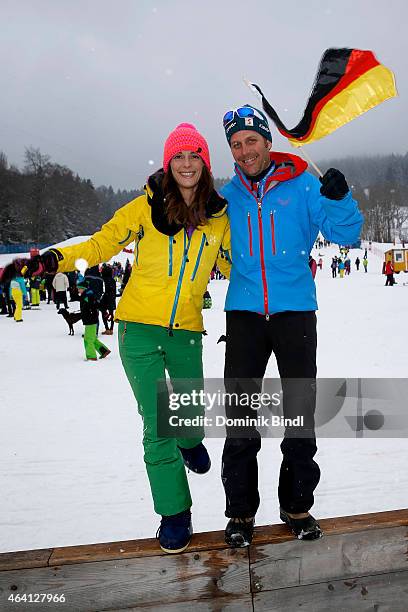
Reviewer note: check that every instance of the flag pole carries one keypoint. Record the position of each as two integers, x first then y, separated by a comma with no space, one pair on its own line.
302,151
310,161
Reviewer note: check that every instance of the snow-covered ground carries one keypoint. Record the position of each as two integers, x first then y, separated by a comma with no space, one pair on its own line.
72,468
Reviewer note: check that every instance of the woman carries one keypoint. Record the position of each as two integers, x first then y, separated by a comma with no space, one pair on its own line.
180,229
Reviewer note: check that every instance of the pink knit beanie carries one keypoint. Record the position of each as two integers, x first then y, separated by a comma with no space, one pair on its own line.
185,138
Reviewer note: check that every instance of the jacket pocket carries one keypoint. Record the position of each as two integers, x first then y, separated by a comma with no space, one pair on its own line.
273,233
250,235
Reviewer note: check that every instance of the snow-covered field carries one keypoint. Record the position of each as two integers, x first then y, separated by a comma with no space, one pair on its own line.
72,469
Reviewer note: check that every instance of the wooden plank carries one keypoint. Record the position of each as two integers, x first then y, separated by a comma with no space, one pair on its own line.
132,549
213,540
381,593
276,566
221,604
25,559
111,585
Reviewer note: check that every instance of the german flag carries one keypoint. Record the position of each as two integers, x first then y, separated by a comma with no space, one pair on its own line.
348,83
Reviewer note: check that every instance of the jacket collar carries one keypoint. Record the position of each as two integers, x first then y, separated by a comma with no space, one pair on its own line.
287,166
155,198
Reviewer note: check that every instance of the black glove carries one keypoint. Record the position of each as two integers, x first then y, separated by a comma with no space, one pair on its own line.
334,185
48,262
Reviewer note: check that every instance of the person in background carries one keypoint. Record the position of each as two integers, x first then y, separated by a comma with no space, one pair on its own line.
18,292
43,290
357,262
108,301
333,267
72,289
365,263
89,312
207,301
389,271
50,289
60,285
3,301
35,291
341,267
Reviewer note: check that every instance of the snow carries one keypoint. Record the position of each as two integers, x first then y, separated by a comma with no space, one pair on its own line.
71,452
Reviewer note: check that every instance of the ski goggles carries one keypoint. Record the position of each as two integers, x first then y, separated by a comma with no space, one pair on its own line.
243,112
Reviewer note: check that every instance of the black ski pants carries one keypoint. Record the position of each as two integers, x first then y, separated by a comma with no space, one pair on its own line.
250,341
61,298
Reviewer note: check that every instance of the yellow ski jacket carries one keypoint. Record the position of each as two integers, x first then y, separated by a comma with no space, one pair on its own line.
170,271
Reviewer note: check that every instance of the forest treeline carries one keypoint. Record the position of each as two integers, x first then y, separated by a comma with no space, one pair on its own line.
45,202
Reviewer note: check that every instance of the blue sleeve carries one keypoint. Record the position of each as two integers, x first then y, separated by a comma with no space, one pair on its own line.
339,221
22,285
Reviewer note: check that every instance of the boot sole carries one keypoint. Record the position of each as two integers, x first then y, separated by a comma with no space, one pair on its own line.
174,551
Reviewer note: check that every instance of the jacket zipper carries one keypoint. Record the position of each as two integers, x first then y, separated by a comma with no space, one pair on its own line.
203,241
273,233
250,234
261,247
179,282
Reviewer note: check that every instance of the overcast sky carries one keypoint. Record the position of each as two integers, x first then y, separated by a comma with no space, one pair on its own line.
98,85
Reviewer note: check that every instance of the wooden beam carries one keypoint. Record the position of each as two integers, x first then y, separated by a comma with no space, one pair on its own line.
25,559
295,563
213,540
112,585
388,592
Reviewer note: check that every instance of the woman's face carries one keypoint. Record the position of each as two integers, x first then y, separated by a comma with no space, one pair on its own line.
187,167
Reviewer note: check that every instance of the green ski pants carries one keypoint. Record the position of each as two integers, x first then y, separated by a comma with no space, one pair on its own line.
91,342
147,351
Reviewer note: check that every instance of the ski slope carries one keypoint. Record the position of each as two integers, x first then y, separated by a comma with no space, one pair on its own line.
71,452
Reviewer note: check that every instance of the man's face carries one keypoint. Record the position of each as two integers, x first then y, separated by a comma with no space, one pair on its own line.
251,151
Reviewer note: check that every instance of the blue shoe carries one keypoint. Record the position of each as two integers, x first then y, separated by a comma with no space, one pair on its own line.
174,533
196,459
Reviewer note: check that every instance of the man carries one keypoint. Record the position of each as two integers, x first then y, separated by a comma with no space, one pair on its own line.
60,285
276,209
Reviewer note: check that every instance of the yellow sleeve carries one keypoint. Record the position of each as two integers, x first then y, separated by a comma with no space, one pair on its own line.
109,240
224,260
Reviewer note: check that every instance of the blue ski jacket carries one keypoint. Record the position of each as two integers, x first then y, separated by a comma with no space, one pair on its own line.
272,236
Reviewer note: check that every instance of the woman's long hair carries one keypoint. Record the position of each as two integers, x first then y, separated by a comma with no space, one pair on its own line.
177,210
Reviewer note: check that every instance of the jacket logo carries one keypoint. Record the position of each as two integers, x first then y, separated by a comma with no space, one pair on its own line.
283,202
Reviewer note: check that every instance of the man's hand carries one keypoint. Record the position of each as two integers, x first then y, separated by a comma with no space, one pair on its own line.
334,185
